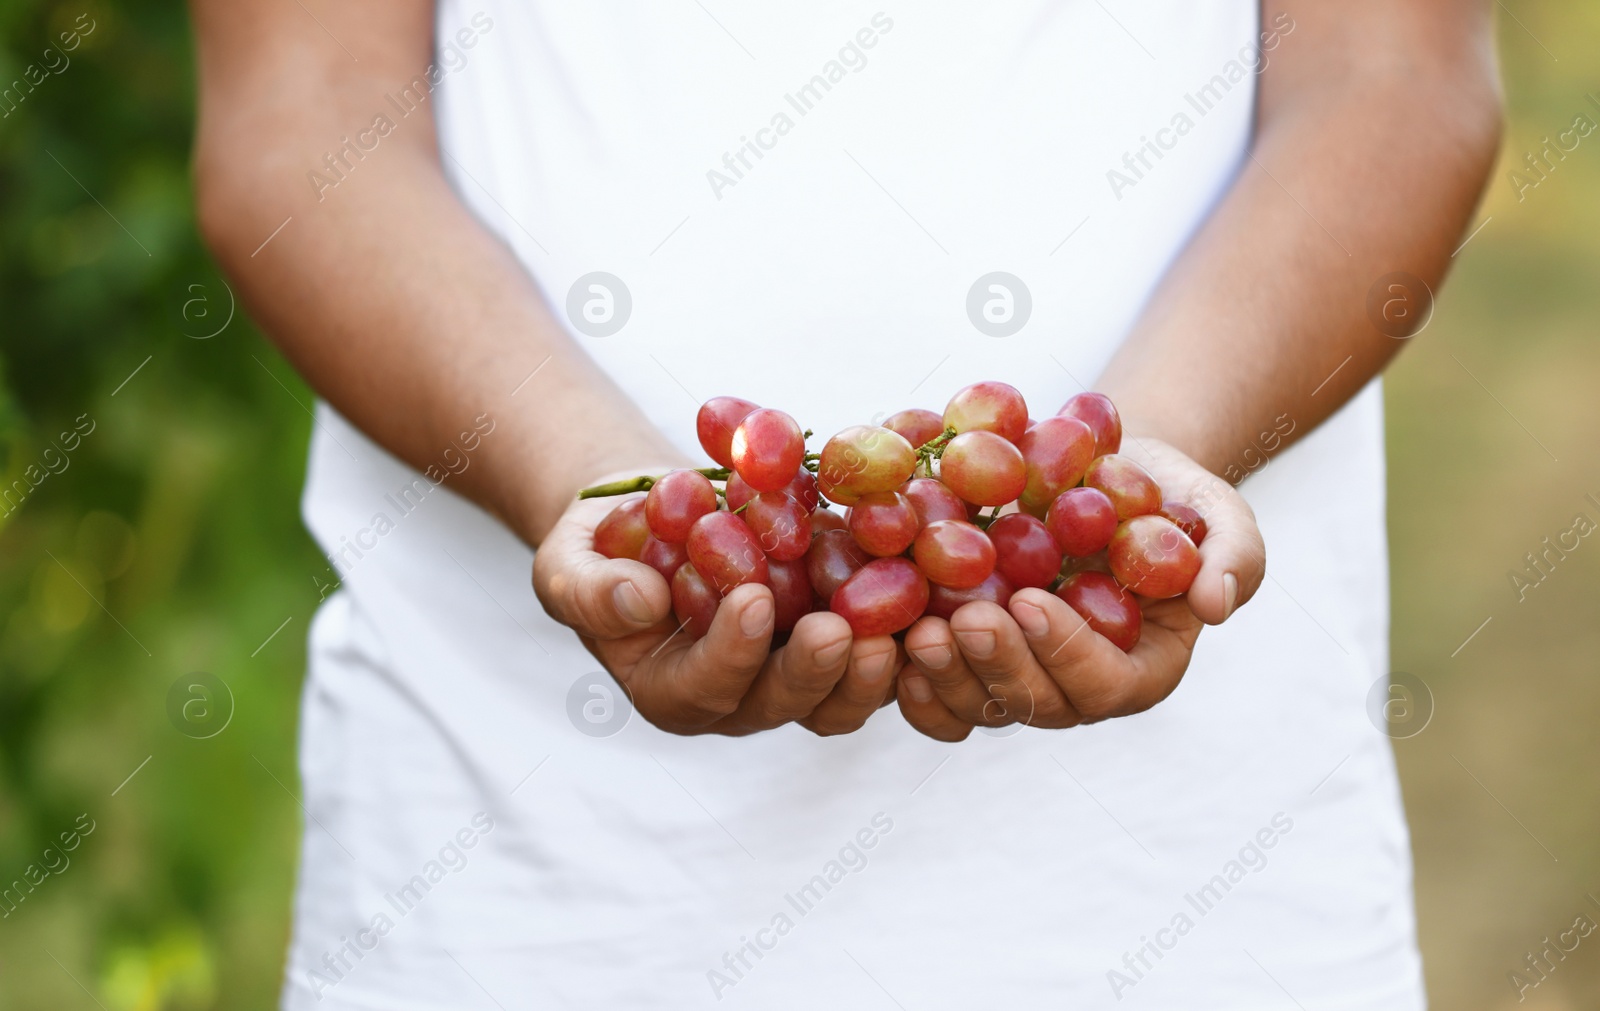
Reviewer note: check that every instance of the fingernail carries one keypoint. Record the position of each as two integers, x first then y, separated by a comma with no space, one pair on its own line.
977,644
1030,617
827,656
919,688
756,617
1230,593
933,657
878,668
630,602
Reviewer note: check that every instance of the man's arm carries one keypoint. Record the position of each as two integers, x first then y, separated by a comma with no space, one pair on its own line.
403,312
1378,124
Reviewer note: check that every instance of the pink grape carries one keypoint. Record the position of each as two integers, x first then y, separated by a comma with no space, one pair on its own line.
954,554
988,407
885,596
791,591
1057,451
725,552
803,489
676,501
665,558
1082,521
944,602
983,468
884,523
715,423
1188,519
694,600
1152,557
1096,411
834,557
781,525
768,447
736,493
919,427
1129,486
1025,553
623,531
826,519
1108,608
933,500
863,459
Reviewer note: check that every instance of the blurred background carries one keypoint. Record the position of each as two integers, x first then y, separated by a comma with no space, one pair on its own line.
160,540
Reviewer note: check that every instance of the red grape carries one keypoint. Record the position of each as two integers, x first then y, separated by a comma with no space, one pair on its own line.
768,447
1129,486
1025,553
725,552
887,595
919,427
943,601
1108,608
1188,519
665,558
781,525
791,591
1082,521
863,459
676,501
623,531
1152,557
803,489
989,407
694,600
933,500
954,554
1096,411
736,493
983,468
1057,451
715,422
884,523
826,519
834,557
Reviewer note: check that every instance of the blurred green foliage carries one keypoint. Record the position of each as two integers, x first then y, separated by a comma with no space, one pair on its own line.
169,542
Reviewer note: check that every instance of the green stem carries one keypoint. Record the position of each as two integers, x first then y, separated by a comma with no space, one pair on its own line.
644,482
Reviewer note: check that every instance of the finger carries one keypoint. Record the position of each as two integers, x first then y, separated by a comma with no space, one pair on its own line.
602,598
1099,680
860,692
934,653
690,688
1233,557
798,677
925,711
999,654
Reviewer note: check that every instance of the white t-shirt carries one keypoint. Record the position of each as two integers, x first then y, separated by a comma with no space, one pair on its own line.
794,205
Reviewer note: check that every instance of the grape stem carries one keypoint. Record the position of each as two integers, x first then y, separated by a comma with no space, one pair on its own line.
644,482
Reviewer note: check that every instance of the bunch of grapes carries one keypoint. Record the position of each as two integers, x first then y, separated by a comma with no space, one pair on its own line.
913,538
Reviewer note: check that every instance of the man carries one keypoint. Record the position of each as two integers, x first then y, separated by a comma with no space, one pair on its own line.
514,244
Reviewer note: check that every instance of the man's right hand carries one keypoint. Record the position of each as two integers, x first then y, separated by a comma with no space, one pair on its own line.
730,682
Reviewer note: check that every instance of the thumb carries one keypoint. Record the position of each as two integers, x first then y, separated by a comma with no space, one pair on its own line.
603,598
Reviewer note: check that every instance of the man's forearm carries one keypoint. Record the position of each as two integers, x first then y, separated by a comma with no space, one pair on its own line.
397,305
1264,316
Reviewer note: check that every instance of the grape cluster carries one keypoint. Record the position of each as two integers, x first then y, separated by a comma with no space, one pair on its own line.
913,538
